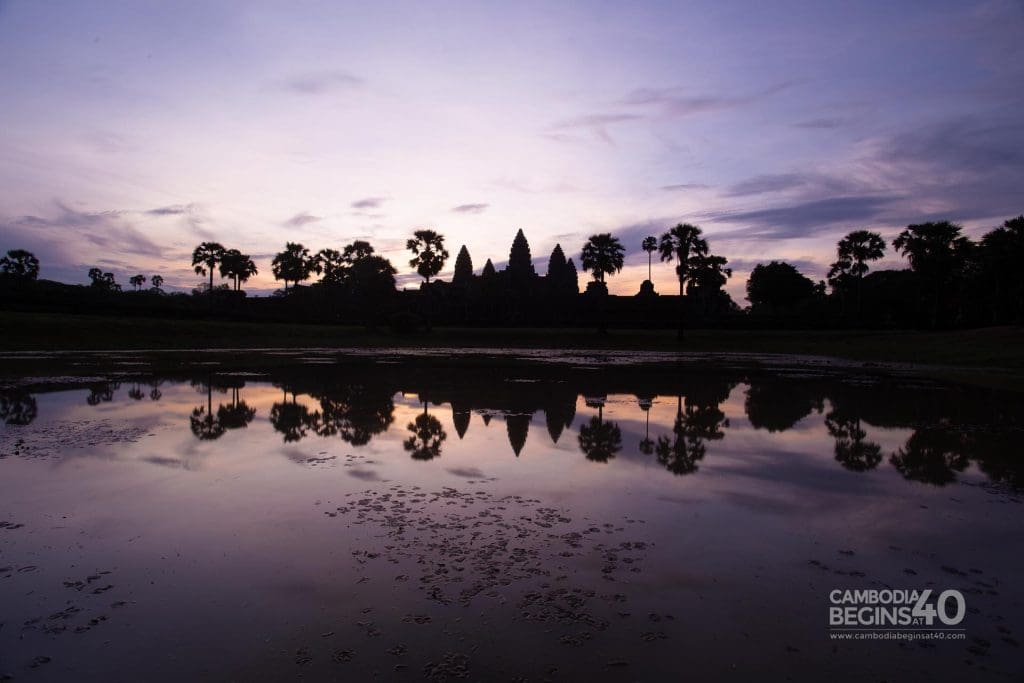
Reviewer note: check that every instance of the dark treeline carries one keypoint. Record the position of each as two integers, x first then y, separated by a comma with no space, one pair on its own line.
952,281
948,429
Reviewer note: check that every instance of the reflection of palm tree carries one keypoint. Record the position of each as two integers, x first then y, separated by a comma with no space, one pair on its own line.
692,427
600,441
205,425
18,408
291,419
778,406
102,393
645,402
136,393
852,451
238,414
933,455
356,412
427,436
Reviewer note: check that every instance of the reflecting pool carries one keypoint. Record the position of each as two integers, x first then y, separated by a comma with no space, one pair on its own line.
392,518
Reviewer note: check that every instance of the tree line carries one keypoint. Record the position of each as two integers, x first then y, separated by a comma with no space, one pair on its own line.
951,281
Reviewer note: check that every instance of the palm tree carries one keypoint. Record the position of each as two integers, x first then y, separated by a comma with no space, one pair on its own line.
937,253
602,255
294,264
204,258
237,266
331,264
853,253
157,281
428,252
682,243
137,281
650,245
356,251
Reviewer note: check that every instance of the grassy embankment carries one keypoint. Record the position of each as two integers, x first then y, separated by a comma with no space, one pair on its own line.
985,348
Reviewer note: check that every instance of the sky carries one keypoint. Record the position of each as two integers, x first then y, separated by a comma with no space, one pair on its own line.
130,131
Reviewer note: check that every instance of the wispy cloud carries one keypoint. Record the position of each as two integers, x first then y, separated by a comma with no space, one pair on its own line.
806,218
319,82
767,183
685,186
820,123
174,210
369,203
594,124
300,219
470,208
677,101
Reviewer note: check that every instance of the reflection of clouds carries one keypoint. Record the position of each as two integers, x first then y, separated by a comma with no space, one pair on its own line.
364,475
466,472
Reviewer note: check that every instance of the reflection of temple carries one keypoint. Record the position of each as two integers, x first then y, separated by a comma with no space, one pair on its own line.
948,429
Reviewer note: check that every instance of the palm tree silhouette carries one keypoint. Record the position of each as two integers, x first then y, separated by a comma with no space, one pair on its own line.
137,281
602,255
428,252
428,257
936,252
650,245
853,253
157,282
204,258
682,243
294,264
237,266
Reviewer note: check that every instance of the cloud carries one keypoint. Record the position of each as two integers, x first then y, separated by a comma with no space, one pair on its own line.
175,210
766,183
108,230
369,203
685,186
300,219
595,124
805,218
470,208
320,82
820,123
677,102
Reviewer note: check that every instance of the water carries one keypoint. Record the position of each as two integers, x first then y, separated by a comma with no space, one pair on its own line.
400,519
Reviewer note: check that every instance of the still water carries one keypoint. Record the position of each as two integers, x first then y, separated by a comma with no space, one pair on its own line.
403,520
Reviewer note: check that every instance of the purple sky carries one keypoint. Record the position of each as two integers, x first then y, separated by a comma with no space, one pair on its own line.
133,130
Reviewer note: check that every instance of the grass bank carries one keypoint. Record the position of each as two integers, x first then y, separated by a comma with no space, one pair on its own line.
1001,347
